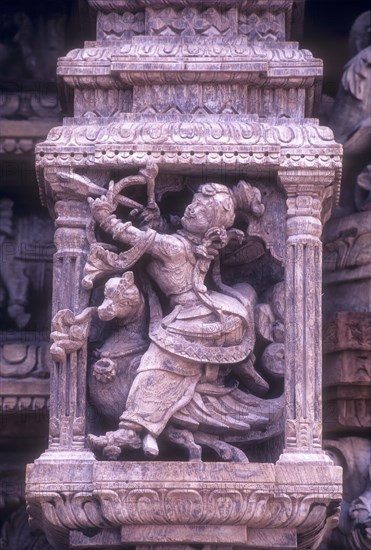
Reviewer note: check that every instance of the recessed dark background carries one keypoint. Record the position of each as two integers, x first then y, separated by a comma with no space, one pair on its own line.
327,24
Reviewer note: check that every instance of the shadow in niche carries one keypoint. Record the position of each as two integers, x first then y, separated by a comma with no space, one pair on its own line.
262,272
326,28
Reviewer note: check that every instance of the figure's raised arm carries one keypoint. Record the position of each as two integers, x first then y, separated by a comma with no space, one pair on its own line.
103,212
103,209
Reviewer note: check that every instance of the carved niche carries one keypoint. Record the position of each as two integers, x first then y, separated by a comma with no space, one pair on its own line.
30,44
185,347
26,247
189,194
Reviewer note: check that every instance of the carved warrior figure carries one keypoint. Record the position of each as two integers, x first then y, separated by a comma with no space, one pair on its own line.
178,386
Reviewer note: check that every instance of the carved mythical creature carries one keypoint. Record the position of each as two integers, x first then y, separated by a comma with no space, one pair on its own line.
111,375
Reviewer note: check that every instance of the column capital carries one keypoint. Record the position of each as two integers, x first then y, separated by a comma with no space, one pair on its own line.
304,206
306,181
71,213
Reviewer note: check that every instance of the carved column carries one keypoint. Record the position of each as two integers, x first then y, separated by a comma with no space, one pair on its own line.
200,99
68,378
303,315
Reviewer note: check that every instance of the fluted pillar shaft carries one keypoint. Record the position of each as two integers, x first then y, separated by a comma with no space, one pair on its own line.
303,319
68,378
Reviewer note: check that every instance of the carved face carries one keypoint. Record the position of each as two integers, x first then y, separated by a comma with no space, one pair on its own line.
197,218
119,302
212,207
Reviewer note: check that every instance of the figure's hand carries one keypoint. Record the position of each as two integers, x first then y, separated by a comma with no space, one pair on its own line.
150,171
217,237
235,235
147,217
101,208
104,206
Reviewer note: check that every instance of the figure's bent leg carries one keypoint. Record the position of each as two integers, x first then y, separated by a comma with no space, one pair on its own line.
164,384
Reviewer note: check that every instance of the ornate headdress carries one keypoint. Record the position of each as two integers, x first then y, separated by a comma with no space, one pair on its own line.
220,202
224,201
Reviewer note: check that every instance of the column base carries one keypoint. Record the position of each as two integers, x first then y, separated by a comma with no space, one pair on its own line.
320,457
109,504
58,454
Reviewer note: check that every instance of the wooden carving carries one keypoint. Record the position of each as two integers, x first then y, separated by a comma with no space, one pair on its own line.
180,346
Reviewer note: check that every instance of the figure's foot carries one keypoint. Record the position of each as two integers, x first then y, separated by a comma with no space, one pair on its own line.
125,438
112,443
150,446
97,442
